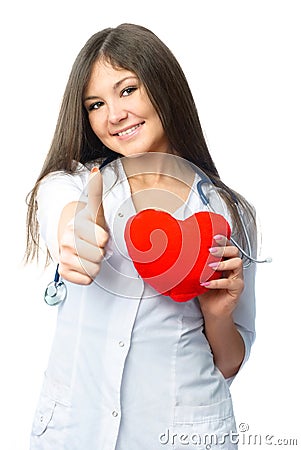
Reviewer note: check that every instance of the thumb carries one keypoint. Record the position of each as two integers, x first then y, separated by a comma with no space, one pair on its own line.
94,205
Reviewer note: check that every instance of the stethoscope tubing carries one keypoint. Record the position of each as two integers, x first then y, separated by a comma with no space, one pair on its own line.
246,254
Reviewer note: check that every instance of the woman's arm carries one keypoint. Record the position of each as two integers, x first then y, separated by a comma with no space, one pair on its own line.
218,305
226,344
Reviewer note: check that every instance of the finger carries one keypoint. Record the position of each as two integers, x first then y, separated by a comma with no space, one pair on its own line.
90,252
80,266
90,233
95,205
229,251
76,277
221,240
234,284
233,264
82,229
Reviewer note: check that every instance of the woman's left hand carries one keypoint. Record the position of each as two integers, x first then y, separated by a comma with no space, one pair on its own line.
223,294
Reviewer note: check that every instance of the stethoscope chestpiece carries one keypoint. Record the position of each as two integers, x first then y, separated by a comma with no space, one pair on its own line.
55,293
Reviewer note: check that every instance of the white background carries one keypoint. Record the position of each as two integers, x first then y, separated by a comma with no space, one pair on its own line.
242,60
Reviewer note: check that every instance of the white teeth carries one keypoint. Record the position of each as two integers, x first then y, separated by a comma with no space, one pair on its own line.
130,130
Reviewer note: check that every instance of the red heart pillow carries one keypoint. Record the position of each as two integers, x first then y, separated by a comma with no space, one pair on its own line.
173,255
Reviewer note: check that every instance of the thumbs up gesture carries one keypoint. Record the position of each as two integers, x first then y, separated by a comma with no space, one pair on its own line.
83,235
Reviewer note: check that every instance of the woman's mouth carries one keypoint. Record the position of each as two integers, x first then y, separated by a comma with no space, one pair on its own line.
128,131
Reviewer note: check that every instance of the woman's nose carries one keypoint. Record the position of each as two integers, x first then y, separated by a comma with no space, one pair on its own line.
116,113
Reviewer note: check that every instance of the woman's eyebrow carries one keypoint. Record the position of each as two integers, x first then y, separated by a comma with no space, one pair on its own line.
116,85
91,97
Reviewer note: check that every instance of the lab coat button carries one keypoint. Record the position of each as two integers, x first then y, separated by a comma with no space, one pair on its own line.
120,214
121,344
114,413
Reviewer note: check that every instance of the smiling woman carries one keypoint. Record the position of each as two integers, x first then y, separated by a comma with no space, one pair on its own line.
127,361
121,113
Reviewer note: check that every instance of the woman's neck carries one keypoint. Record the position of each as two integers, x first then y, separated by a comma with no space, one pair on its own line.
158,180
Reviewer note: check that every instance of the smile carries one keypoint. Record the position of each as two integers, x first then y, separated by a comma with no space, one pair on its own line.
129,130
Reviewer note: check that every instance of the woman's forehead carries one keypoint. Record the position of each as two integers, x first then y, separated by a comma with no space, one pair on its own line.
104,71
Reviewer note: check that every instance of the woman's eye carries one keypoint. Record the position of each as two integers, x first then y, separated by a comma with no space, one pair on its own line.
95,105
128,91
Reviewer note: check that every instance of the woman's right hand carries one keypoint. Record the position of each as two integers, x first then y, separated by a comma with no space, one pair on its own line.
82,238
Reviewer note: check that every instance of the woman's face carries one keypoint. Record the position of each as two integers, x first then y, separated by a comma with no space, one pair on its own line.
121,113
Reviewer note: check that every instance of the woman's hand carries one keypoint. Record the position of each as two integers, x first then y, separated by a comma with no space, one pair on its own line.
83,236
223,294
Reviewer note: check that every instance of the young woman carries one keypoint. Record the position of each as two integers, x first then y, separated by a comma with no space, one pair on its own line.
129,367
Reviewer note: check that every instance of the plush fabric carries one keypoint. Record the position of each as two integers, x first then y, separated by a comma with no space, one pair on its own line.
173,255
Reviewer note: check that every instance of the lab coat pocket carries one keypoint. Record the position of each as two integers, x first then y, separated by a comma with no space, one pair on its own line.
205,427
51,420
43,416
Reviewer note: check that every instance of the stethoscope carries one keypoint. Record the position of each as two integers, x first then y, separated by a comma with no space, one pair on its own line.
56,291
248,255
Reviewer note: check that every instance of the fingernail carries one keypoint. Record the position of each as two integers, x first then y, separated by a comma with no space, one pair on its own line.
205,284
213,265
213,249
218,237
94,169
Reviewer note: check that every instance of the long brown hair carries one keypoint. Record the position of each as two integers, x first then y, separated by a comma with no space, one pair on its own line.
139,50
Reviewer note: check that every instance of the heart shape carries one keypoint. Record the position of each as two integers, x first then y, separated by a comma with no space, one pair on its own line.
173,255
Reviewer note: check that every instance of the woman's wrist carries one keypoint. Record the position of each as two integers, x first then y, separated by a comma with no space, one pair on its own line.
220,313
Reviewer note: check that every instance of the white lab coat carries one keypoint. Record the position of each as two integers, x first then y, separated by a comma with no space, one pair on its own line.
129,369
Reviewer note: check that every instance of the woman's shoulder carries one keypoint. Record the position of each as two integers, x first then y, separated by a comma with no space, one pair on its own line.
77,176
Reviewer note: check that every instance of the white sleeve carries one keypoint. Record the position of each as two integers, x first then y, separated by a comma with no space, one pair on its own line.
55,191
245,312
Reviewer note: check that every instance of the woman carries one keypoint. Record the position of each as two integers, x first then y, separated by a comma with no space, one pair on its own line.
130,368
